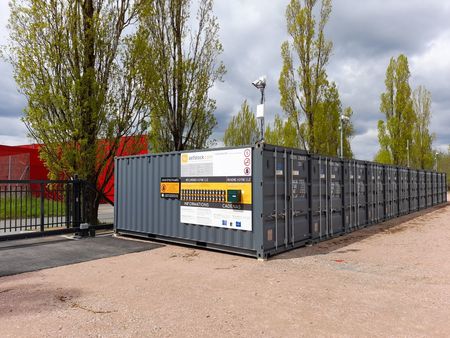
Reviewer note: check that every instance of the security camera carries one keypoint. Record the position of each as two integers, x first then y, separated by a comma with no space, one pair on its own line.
260,82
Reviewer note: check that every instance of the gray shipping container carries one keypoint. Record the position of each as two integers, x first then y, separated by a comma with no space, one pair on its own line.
296,198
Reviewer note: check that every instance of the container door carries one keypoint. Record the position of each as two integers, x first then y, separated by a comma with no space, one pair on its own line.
379,181
415,187
319,197
336,225
412,190
371,193
439,188
406,194
353,195
275,199
434,175
429,198
361,181
394,192
298,229
286,198
402,191
349,199
422,193
388,192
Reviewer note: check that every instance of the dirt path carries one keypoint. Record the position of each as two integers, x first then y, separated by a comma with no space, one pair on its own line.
382,281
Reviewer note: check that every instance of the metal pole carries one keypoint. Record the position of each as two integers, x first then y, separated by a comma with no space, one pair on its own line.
262,118
342,133
261,85
76,218
407,150
320,197
42,207
276,200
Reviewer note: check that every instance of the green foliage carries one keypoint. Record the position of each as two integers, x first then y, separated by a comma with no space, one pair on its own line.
405,131
72,63
283,133
242,129
302,88
422,154
311,103
178,67
383,156
327,133
443,164
396,131
348,132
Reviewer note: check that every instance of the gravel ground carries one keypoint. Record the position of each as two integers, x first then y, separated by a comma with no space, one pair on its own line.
387,280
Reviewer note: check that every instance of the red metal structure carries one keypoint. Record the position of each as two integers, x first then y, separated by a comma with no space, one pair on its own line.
23,162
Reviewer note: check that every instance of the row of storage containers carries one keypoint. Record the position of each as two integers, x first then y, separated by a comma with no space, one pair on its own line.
341,195
298,198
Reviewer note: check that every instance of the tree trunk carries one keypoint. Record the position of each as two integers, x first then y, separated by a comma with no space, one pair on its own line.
91,198
89,104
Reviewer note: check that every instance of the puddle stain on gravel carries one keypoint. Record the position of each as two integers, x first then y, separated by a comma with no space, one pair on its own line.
346,251
67,299
395,230
189,256
78,306
226,268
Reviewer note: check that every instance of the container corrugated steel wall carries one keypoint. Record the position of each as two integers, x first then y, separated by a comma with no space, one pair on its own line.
140,210
298,198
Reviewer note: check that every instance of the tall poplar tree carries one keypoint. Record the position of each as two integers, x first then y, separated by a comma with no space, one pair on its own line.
179,67
327,124
302,87
72,62
348,132
443,164
242,129
421,151
396,131
282,133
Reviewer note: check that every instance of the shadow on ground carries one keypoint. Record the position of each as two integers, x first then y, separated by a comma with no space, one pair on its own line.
31,255
20,299
339,243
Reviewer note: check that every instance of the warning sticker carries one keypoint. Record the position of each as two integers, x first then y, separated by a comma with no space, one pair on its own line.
169,187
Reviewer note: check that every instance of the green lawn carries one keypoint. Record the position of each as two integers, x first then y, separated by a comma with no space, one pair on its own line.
29,206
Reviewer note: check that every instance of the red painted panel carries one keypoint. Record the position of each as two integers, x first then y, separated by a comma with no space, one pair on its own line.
38,171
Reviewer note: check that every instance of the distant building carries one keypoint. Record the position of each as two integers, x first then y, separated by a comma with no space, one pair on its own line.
23,162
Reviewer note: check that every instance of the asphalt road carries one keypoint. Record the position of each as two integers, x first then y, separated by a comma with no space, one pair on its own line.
42,253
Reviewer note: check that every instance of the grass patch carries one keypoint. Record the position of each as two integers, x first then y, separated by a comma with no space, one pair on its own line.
28,207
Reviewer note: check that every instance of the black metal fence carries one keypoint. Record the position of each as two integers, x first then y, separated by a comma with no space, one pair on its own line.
30,208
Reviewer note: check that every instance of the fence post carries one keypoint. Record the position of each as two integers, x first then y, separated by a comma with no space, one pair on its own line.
42,206
67,204
76,202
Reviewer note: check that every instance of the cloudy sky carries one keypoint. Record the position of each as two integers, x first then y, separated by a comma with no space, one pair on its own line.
366,34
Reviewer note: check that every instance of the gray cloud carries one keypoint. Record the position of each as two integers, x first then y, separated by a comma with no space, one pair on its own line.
373,28
12,131
365,35
11,102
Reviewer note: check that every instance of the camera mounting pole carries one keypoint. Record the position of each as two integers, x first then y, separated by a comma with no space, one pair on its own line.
261,85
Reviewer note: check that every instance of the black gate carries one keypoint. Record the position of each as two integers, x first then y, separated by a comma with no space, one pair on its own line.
32,208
